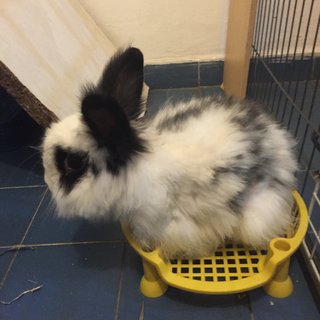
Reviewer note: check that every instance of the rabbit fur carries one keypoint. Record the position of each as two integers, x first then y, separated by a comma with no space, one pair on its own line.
198,174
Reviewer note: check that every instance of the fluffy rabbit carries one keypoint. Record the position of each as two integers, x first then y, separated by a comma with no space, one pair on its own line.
196,175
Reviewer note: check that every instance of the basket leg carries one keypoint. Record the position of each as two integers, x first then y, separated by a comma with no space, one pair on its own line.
280,286
151,284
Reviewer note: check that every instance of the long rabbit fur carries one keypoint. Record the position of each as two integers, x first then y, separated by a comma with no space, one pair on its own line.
199,173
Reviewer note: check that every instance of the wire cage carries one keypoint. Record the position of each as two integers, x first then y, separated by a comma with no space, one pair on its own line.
284,77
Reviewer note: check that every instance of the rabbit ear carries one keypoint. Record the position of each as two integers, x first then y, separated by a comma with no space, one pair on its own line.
123,80
111,129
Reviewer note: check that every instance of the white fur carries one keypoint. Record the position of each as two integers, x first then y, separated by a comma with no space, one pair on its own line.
166,195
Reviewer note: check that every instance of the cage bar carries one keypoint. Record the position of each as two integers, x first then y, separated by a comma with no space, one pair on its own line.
284,78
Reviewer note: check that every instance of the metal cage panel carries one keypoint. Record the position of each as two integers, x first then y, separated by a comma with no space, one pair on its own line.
284,77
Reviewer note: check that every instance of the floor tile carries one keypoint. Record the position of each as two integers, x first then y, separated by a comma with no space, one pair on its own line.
209,91
131,299
21,167
300,305
5,261
211,73
156,99
182,94
172,75
17,128
47,227
175,303
300,92
308,194
79,282
17,207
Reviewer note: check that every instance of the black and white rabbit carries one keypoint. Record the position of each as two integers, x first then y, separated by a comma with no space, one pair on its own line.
199,173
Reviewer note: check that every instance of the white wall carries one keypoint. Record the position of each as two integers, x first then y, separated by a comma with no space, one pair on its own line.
188,30
166,30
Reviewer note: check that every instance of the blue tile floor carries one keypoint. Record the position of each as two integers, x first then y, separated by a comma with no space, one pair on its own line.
88,271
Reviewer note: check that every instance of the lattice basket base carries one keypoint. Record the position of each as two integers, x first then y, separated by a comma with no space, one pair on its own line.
231,269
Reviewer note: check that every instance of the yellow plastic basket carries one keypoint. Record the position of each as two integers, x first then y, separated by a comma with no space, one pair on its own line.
231,269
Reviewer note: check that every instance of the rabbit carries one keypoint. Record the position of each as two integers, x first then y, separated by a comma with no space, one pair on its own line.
197,174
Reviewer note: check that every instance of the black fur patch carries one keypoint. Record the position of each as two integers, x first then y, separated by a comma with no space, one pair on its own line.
112,130
108,108
236,203
122,79
253,118
71,165
253,121
247,120
176,121
249,176
235,170
95,169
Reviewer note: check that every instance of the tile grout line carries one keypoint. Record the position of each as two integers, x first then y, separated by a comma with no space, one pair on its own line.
250,307
158,89
141,315
34,216
58,244
185,88
23,187
199,80
117,307
3,280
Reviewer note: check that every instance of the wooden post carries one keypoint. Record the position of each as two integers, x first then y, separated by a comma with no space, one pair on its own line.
238,48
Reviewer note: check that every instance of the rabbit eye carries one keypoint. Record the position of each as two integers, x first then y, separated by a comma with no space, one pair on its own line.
75,162
71,166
